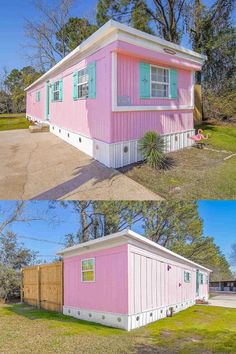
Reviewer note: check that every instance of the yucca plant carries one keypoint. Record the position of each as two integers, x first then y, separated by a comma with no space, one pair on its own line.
152,147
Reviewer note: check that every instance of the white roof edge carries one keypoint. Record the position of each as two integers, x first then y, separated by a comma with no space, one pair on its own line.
102,31
129,234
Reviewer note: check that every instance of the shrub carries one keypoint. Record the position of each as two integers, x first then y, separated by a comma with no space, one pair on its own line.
152,146
9,283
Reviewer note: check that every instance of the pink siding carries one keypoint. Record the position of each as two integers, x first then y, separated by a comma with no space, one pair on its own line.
109,292
128,83
152,285
133,125
89,117
94,118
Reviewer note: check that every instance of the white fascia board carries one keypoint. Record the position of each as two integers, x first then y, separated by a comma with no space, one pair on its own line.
105,30
156,39
125,236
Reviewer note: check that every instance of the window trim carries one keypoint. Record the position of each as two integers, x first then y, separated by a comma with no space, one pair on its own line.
58,100
201,275
82,271
158,82
190,276
80,84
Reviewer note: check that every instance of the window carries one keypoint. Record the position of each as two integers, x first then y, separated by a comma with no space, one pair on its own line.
37,96
55,91
207,279
88,270
83,83
187,277
201,278
160,80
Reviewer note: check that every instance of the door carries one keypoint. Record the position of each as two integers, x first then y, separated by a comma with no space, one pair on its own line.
197,282
47,100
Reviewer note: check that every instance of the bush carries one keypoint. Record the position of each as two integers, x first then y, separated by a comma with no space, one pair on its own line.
9,283
219,106
152,146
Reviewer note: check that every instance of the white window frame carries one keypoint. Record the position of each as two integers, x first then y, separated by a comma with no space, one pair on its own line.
201,278
159,82
82,83
54,91
190,276
83,271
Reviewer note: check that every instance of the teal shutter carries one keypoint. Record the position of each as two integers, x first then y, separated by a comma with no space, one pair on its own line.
51,92
144,80
60,90
173,83
75,86
92,80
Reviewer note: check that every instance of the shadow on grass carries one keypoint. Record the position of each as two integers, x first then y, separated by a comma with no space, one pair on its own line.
69,323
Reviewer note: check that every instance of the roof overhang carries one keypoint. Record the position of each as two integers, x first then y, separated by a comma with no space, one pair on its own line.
123,237
111,31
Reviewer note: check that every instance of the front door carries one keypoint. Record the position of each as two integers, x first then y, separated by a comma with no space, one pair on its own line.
47,100
197,282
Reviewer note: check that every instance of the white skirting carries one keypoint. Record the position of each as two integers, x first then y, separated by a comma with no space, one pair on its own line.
127,322
121,153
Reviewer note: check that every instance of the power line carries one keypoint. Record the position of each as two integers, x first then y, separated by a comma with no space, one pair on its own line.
40,240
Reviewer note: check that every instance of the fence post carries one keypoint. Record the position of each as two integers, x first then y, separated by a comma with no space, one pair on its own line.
38,287
21,286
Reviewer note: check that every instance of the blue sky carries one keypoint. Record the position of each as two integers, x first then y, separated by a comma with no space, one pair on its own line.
12,35
219,218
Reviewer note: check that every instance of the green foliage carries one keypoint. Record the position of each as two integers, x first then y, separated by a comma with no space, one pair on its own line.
73,33
219,105
175,225
14,84
9,283
152,147
13,254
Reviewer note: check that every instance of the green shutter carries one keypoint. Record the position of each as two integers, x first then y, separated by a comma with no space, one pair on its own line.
92,80
60,90
51,92
75,86
144,80
173,83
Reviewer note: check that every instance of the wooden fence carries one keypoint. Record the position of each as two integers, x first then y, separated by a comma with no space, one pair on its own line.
197,113
42,286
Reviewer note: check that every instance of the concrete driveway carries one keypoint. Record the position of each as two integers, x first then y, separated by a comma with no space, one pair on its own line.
42,166
223,300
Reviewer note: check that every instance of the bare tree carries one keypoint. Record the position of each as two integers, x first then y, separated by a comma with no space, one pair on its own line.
43,34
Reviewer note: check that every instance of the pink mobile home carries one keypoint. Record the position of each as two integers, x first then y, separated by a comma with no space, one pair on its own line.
114,87
125,280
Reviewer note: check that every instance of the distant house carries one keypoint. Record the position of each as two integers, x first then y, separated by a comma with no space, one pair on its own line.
114,87
125,280
223,285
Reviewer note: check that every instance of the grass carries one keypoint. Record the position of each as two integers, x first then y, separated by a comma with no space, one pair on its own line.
200,329
13,121
221,137
198,173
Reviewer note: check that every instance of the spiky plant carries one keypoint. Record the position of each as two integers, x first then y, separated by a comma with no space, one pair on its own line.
152,147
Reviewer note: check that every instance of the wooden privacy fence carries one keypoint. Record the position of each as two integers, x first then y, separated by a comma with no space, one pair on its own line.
197,113
42,286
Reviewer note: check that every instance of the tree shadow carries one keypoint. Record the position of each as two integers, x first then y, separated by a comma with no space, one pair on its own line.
32,313
92,171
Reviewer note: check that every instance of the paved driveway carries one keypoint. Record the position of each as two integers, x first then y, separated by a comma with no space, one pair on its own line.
42,166
224,300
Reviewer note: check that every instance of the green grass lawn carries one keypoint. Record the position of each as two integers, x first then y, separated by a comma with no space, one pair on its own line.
221,137
199,329
198,173
13,121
